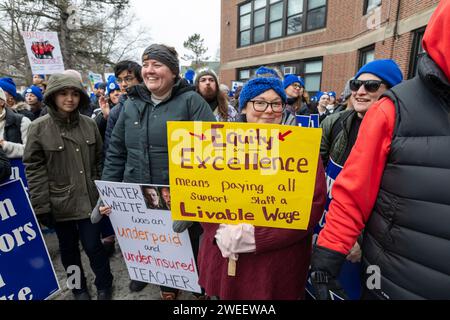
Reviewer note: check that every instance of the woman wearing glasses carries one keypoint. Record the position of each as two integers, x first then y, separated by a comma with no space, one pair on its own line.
273,263
340,130
297,97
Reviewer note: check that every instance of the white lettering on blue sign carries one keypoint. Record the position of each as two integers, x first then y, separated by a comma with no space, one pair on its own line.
15,173
7,210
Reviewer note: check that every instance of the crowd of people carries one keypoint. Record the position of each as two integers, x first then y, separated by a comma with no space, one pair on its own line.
390,207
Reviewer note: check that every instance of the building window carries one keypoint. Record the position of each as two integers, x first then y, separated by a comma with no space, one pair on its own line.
416,52
369,5
244,74
366,55
245,23
313,75
263,20
315,17
310,70
276,19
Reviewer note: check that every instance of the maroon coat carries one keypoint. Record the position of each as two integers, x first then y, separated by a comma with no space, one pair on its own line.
276,271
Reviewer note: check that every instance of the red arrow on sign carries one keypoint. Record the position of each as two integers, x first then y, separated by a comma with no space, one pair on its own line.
281,136
201,137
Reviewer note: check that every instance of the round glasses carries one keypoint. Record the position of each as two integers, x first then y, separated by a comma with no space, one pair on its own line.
261,106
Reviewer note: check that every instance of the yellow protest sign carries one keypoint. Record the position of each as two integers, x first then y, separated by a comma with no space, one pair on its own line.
243,173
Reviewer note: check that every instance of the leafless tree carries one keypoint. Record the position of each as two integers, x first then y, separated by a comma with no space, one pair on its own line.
93,34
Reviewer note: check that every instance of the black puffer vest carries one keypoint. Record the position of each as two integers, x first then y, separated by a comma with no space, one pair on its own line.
13,123
408,233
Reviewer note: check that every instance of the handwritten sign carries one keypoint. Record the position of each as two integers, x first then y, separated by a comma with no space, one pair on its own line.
234,173
142,222
26,271
44,52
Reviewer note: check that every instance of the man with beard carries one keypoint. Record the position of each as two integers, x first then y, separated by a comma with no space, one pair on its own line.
207,86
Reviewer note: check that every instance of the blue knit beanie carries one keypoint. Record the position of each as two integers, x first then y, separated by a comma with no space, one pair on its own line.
332,94
266,72
292,78
8,85
256,86
111,86
36,91
319,94
385,69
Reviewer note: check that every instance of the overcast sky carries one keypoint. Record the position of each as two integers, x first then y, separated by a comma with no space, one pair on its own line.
172,21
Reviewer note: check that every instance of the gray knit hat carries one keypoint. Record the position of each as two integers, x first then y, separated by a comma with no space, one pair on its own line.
163,54
205,72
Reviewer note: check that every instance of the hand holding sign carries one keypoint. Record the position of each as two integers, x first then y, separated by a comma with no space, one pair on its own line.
234,239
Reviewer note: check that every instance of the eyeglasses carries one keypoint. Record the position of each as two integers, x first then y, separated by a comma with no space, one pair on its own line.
261,106
297,86
126,79
370,85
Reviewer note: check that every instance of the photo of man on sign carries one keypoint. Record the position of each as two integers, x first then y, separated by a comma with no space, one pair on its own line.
152,197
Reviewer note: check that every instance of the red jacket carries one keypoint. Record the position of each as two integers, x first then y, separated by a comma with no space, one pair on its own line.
276,271
356,188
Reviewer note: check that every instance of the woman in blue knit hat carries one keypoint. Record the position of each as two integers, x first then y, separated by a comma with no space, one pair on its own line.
273,262
34,97
340,130
297,97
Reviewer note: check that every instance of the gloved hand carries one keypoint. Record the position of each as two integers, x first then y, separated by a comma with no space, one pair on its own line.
46,219
325,268
233,239
179,226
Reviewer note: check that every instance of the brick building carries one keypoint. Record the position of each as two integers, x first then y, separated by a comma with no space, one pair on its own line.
325,41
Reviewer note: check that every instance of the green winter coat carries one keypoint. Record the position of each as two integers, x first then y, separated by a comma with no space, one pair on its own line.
138,150
334,146
62,158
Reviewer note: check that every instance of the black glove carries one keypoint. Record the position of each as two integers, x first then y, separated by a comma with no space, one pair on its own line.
325,268
46,219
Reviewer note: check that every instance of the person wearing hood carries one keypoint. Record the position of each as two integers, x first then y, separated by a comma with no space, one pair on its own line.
85,109
34,97
297,97
62,158
13,129
138,149
395,186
